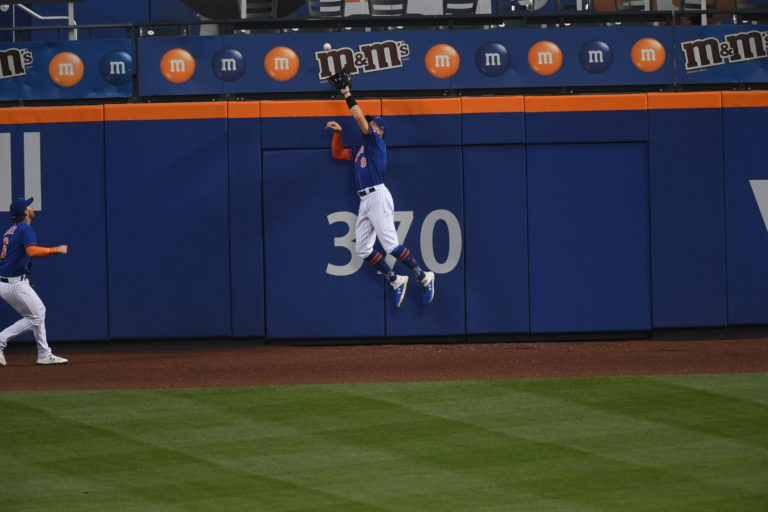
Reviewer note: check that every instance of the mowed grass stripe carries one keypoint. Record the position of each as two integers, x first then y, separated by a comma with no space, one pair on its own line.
695,442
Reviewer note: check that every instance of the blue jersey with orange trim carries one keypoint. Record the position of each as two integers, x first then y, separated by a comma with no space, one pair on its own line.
14,260
370,161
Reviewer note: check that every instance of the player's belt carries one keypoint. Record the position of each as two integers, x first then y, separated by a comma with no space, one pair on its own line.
366,191
12,279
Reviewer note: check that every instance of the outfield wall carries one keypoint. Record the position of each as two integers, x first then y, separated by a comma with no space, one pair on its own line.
539,214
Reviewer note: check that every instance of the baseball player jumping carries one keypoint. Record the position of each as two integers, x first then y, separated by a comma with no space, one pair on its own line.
19,245
375,217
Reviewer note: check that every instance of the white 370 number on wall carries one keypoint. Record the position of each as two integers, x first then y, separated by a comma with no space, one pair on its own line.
404,221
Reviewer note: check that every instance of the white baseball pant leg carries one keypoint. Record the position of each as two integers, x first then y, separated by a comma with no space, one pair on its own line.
376,217
21,297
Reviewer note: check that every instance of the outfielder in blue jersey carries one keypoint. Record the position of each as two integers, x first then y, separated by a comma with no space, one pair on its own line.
19,245
375,217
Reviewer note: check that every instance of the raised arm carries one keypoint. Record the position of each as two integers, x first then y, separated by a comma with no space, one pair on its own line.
357,112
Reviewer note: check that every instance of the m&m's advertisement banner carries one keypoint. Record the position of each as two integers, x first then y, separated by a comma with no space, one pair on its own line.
66,70
407,60
722,54
455,59
386,61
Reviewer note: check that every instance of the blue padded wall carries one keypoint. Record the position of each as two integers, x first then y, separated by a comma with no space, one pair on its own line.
245,224
498,128
306,132
747,238
424,130
428,182
168,228
496,224
164,220
310,206
572,127
687,218
589,237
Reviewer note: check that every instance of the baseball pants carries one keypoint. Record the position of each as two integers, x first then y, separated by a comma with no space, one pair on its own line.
376,217
21,297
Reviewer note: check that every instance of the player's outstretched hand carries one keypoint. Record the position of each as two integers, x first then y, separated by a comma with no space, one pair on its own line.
333,125
63,249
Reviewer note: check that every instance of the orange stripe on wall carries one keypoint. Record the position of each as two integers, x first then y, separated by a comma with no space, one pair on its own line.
492,104
421,107
745,99
588,103
30,115
337,108
673,100
244,109
313,108
161,111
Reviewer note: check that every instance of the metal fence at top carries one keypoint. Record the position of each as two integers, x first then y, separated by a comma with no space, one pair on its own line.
522,14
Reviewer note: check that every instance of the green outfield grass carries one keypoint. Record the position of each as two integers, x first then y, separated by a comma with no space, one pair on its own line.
674,443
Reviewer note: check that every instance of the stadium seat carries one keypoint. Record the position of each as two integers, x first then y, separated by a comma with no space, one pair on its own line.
325,8
260,8
459,7
388,7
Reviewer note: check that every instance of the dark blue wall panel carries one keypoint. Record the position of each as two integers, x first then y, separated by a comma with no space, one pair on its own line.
570,127
687,218
589,237
424,130
310,132
310,207
245,224
497,128
306,132
496,237
428,182
168,228
747,239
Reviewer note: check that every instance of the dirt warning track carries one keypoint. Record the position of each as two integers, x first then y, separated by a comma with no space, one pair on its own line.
144,365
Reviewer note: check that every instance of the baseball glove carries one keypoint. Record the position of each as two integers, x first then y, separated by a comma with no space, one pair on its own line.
341,79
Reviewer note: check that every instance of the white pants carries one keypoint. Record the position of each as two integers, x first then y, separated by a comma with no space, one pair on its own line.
376,217
21,297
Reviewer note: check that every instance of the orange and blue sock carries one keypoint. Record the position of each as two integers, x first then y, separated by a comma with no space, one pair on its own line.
404,256
379,263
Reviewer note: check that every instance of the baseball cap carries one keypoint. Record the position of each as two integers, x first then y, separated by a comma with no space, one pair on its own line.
19,205
379,121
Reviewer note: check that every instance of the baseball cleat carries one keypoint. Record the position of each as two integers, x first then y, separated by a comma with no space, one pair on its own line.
429,287
399,285
52,359
2,358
